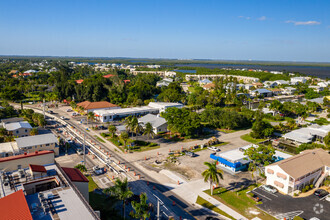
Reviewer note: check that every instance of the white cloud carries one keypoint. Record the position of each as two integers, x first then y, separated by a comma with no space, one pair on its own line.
262,18
244,17
304,22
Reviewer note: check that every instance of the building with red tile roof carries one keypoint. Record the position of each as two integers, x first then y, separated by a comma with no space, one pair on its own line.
108,76
79,81
14,206
91,106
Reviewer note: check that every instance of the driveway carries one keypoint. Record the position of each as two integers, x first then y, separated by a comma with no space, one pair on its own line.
284,206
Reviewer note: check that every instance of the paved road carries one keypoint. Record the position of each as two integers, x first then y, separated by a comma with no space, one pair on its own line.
178,211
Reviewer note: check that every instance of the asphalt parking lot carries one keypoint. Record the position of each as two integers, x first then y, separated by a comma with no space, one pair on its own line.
282,206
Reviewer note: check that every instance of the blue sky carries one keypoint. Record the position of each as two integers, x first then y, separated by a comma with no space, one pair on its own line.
279,30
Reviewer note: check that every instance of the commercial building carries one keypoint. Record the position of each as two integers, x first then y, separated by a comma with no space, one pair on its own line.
43,192
307,135
17,126
117,114
292,174
158,123
245,79
93,106
12,163
235,161
38,143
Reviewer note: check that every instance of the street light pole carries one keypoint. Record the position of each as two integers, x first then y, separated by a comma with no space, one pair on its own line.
158,209
84,148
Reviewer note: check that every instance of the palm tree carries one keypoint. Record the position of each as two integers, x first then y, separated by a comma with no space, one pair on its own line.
112,129
81,167
34,131
212,174
91,117
137,128
128,122
121,191
124,136
3,132
141,208
149,130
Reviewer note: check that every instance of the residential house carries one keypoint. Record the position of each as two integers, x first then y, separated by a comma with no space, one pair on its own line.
18,127
38,143
270,84
204,81
158,123
258,85
293,174
164,82
8,149
324,84
276,91
262,92
93,106
282,82
316,88
289,90
296,80
209,86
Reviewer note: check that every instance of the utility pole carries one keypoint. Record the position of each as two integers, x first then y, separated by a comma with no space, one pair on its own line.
84,149
43,109
158,209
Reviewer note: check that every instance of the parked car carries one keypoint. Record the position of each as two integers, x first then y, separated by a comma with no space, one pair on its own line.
321,193
328,198
80,151
269,188
98,171
101,127
50,112
190,154
69,110
213,148
62,117
69,141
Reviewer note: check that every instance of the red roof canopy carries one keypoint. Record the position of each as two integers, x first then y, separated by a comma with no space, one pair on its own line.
14,206
75,175
37,168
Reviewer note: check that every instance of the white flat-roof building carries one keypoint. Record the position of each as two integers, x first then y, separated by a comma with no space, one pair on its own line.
296,80
235,160
8,149
308,135
152,108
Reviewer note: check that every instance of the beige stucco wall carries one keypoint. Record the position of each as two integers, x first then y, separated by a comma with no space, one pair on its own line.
51,147
22,132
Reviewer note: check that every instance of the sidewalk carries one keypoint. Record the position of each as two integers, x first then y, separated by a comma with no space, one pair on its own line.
190,191
222,206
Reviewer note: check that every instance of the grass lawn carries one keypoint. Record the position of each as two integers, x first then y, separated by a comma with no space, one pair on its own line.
210,206
138,145
99,139
240,202
248,138
227,131
91,185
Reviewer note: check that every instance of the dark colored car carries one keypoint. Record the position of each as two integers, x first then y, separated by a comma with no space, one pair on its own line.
320,193
190,154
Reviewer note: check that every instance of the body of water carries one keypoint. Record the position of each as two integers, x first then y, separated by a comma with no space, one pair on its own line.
319,71
185,71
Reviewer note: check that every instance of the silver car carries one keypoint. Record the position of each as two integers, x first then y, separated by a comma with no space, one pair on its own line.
269,188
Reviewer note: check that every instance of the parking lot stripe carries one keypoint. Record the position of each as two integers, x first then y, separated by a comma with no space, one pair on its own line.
269,192
262,195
